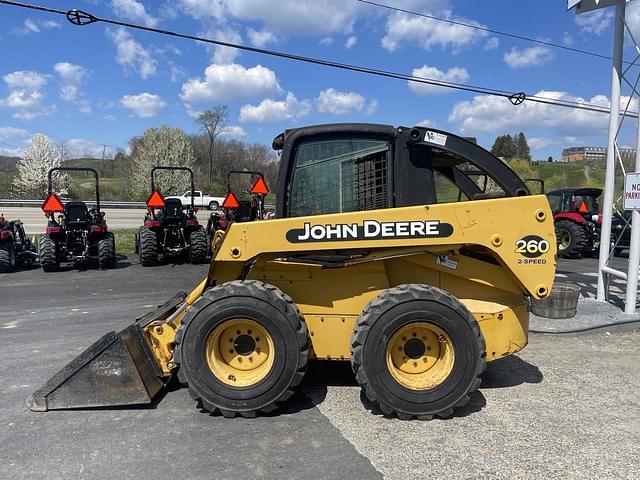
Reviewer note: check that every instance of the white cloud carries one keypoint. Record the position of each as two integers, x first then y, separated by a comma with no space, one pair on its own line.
455,74
144,105
495,114
203,8
304,17
491,44
529,57
230,82
13,134
224,55
326,41
427,122
80,147
234,131
427,33
596,21
351,41
539,143
35,26
133,10
71,77
275,111
260,38
339,103
25,94
131,54
567,39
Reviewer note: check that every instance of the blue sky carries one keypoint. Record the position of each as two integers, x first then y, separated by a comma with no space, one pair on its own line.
101,85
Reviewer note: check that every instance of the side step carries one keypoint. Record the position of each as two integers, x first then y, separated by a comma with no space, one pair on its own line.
116,370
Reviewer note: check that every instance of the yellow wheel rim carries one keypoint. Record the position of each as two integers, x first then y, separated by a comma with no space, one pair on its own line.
420,356
240,352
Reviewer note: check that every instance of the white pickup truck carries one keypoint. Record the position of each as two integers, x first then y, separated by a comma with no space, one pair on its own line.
200,200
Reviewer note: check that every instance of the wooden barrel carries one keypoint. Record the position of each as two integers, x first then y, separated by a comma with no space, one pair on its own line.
561,303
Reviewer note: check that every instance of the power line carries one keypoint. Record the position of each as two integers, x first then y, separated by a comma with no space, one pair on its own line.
81,18
489,30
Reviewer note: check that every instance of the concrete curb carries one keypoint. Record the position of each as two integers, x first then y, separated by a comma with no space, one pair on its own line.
591,317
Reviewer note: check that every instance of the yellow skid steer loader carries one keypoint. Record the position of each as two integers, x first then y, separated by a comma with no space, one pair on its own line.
410,252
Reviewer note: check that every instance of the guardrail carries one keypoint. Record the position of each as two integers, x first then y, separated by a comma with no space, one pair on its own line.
11,202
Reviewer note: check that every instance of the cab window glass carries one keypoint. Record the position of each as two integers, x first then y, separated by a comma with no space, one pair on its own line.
343,175
446,190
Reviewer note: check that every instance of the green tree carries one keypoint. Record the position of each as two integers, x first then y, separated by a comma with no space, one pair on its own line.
164,146
522,147
213,123
504,147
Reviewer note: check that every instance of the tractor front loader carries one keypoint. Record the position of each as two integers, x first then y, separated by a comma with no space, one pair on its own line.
372,260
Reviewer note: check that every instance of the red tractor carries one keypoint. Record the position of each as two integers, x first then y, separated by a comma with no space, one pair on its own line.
577,220
169,229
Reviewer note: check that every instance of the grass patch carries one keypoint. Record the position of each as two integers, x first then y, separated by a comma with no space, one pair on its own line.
125,240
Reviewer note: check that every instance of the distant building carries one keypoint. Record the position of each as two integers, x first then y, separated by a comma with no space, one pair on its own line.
594,154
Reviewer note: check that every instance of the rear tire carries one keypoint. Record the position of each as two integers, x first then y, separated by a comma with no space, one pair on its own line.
107,251
571,238
417,352
49,258
148,247
7,257
218,348
198,246
214,205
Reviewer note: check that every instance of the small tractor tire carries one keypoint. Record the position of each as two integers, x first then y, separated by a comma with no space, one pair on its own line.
242,348
571,238
107,251
7,257
148,247
198,246
417,352
49,258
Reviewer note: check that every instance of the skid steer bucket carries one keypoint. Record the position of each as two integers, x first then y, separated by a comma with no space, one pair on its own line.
116,370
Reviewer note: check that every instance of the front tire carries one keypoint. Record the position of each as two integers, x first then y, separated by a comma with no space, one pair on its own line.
148,247
242,348
49,257
107,251
7,257
198,246
417,352
571,238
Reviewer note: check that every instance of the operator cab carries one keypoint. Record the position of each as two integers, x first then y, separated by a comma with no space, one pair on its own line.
354,167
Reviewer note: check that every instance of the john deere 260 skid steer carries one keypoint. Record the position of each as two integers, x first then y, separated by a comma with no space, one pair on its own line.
386,253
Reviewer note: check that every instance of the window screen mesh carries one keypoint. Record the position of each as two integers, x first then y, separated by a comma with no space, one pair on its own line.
339,176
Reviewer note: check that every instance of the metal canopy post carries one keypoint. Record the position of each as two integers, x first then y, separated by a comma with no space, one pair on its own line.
609,182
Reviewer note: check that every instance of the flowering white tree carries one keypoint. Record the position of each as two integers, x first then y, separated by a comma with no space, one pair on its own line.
164,146
41,156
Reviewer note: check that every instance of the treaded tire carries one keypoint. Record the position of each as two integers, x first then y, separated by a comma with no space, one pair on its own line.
148,248
577,238
49,259
198,246
386,314
107,251
7,257
274,311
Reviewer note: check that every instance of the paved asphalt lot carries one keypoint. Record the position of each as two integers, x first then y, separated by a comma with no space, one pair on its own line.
566,407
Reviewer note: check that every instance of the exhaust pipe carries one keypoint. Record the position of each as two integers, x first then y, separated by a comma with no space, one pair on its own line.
119,369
